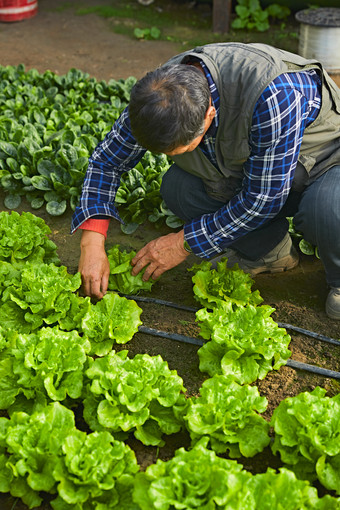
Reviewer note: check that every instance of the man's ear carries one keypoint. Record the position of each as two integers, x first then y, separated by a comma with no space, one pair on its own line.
209,117
210,113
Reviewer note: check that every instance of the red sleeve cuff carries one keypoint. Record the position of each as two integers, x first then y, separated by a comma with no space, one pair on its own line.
99,226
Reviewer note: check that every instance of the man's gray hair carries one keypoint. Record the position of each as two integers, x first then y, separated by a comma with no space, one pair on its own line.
167,107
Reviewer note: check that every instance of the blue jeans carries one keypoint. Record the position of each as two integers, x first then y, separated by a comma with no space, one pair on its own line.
316,214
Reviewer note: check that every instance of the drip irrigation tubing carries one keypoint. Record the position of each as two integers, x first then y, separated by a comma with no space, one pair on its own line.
284,325
296,365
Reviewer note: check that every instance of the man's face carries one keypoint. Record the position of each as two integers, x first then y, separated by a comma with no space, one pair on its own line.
209,116
186,148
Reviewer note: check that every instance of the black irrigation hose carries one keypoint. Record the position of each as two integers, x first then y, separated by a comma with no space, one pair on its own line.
306,332
318,336
296,365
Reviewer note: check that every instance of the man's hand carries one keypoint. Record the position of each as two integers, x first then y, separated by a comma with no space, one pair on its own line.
94,266
160,255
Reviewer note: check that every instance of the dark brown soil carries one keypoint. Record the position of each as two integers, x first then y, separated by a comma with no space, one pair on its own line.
59,40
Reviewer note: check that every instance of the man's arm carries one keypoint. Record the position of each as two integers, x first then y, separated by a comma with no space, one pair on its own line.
280,118
117,153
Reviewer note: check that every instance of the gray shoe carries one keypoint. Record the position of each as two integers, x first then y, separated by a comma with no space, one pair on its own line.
281,258
333,303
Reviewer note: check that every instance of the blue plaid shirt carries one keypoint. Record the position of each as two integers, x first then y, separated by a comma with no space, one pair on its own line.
286,107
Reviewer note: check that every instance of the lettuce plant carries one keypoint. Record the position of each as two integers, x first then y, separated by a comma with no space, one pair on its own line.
42,296
307,436
223,284
226,413
29,450
245,342
24,238
199,479
48,361
95,471
113,319
121,279
195,479
277,490
141,395
45,452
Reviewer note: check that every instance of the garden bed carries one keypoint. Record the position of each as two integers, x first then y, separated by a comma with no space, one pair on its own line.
57,40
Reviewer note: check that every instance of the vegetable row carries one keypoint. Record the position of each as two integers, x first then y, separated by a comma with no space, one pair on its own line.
49,127
56,354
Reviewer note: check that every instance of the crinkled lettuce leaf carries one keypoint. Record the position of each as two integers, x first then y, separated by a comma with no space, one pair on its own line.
223,284
113,319
121,279
42,296
34,444
140,394
195,479
307,436
227,414
246,342
24,237
95,469
49,361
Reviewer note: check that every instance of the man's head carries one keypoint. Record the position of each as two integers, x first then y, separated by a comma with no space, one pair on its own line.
170,109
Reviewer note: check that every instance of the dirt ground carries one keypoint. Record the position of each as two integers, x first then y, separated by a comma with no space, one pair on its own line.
59,40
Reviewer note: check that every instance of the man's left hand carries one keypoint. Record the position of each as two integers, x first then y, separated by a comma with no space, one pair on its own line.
160,255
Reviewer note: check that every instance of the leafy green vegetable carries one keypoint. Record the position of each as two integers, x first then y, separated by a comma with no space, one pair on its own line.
49,126
246,342
195,479
307,436
31,447
140,394
198,479
42,296
45,452
95,471
272,490
121,278
226,413
24,238
138,197
223,283
113,319
49,361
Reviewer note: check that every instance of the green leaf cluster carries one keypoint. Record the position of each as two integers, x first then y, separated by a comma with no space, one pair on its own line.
147,33
49,126
49,362
138,197
246,343
223,284
140,394
251,16
120,278
307,436
24,238
42,294
113,319
45,452
199,479
226,414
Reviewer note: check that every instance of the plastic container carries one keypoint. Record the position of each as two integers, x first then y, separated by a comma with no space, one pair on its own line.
17,10
320,36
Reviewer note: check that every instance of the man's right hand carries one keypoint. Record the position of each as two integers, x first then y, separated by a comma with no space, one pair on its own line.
93,266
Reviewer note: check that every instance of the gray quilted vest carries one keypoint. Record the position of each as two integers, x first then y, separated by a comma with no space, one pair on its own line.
241,72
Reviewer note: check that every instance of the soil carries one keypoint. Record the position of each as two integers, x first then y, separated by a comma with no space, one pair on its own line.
59,40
